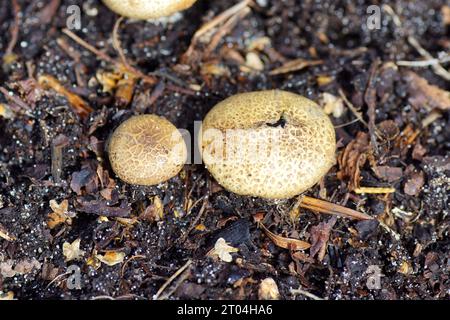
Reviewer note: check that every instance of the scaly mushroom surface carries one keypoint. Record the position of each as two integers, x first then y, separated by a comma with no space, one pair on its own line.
272,144
147,9
146,150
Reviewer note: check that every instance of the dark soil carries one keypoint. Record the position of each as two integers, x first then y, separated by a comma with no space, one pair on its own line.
408,240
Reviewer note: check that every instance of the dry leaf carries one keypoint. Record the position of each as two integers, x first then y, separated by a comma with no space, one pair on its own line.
6,269
445,12
405,268
259,44
6,112
200,227
111,258
154,212
93,261
79,105
320,235
5,234
286,243
414,184
294,65
22,267
128,222
59,215
214,69
223,250
108,80
352,159
332,104
125,90
253,61
390,174
331,208
71,251
268,290
7,296
423,94
323,80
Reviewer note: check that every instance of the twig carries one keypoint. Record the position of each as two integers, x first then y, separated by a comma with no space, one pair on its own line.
227,26
117,44
305,293
184,276
352,108
173,277
81,42
122,271
124,297
374,190
62,275
346,123
14,28
422,63
18,103
5,234
225,18
392,232
370,97
105,57
218,20
437,67
194,223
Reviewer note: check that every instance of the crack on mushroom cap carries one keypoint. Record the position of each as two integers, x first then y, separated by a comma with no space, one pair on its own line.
146,150
147,9
272,144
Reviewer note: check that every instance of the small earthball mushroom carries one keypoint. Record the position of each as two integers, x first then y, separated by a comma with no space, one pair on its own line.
271,144
146,150
147,9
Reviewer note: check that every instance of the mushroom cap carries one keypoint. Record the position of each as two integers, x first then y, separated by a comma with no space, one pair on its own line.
272,144
146,150
147,9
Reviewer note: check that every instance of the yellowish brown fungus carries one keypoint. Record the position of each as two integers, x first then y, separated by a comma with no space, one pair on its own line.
147,9
146,150
272,144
